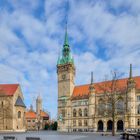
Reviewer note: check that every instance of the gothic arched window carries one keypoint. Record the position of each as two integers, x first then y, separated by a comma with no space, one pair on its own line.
19,114
74,113
74,122
80,112
85,123
139,109
101,107
85,112
80,123
120,106
63,113
2,104
138,121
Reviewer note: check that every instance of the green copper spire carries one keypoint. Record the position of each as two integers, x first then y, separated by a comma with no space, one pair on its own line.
66,37
66,56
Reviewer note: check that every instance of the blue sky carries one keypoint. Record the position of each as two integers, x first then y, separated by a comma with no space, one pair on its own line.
103,34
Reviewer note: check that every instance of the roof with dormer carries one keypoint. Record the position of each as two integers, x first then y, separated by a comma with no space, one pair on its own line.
83,92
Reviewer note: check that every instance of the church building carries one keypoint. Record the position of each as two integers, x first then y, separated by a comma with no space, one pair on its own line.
12,108
86,107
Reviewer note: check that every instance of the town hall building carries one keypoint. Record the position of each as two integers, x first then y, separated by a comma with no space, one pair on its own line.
86,107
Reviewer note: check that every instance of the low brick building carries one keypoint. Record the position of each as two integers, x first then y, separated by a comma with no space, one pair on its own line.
36,120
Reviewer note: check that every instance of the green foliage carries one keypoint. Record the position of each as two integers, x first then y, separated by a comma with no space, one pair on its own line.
52,126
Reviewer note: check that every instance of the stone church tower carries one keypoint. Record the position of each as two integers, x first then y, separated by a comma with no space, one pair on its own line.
66,75
38,105
130,120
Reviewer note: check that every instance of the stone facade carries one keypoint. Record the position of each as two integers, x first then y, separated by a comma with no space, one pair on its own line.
83,108
12,110
36,120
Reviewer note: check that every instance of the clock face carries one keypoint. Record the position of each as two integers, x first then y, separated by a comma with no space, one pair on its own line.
63,77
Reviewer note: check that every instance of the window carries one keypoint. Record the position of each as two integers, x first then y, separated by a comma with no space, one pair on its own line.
63,76
19,114
101,107
2,103
63,103
28,120
74,122
120,106
33,120
138,122
74,113
138,98
139,109
85,112
80,123
80,112
63,113
85,123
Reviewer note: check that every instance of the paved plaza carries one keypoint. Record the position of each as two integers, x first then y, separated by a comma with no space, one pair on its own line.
48,135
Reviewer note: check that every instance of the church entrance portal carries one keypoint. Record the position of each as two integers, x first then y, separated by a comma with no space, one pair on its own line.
100,125
120,125
109,125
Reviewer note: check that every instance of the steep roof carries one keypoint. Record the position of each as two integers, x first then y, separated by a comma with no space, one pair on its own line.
19,102
30,115
8,89
44,114
82,91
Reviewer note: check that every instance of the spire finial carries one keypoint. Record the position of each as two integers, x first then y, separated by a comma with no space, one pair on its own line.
66,24
91,77
130,72
66,36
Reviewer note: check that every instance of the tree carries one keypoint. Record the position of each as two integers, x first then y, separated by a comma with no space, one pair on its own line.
54,126
113,101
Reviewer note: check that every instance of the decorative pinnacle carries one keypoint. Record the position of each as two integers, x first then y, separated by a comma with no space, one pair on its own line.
130,72
91,77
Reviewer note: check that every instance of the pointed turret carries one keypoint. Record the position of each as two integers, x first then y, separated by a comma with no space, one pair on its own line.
91,77
130,72
131,81
91,88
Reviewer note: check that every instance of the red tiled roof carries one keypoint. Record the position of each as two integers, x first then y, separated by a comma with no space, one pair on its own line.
30,115
44,114
82,91
8,89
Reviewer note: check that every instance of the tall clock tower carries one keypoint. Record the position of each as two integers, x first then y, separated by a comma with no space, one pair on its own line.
65,74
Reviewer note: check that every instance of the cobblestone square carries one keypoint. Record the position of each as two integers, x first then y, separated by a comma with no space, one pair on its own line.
48,135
